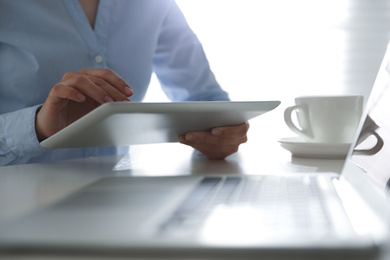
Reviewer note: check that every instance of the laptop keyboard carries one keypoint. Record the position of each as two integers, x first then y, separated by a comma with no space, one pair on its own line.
290,204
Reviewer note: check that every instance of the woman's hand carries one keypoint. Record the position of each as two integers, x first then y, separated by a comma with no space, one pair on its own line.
77,94
218,143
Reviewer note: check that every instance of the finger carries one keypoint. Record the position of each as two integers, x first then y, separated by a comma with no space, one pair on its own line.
114,93
110,77
230,135
208,138
90,85
61,91
86,86
237,130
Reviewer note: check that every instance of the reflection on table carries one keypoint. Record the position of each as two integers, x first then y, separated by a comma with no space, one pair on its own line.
27,187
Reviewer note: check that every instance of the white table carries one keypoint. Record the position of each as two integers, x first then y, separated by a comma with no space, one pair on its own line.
24,188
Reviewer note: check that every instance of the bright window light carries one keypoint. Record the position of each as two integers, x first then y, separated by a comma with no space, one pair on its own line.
270,49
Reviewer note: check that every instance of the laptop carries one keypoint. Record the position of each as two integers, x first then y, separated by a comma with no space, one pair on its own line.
268,216
124,123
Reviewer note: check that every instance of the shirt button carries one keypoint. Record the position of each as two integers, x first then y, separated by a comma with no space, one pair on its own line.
98,59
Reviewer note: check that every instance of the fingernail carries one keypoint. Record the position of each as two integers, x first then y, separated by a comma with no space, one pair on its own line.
216,131
80,97
180,139
108,99
128,91
190,137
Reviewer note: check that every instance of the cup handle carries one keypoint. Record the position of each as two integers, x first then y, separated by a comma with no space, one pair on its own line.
305,128
375,149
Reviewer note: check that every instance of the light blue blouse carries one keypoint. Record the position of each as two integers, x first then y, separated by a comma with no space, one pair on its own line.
40,40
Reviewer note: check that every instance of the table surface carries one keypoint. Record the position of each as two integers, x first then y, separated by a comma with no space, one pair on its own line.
24,188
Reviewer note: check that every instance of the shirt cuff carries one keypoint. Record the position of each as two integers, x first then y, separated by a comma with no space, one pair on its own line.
19,132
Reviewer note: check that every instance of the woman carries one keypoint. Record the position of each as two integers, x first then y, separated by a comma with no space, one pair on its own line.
61,59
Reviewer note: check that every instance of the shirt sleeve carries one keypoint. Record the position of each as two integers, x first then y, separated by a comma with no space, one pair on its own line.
18,141
180,62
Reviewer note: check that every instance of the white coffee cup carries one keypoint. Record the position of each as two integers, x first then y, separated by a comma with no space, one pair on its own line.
325,119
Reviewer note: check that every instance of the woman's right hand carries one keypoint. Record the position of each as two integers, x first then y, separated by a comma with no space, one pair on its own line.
77,94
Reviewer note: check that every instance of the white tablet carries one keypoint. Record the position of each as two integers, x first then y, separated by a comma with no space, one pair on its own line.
123,123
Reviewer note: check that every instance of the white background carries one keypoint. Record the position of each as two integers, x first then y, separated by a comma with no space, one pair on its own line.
279,49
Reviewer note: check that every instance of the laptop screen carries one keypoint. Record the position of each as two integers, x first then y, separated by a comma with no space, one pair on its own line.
372,151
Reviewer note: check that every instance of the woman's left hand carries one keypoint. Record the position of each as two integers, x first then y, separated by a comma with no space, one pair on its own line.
218,143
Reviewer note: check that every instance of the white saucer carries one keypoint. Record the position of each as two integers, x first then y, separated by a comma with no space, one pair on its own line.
301,148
